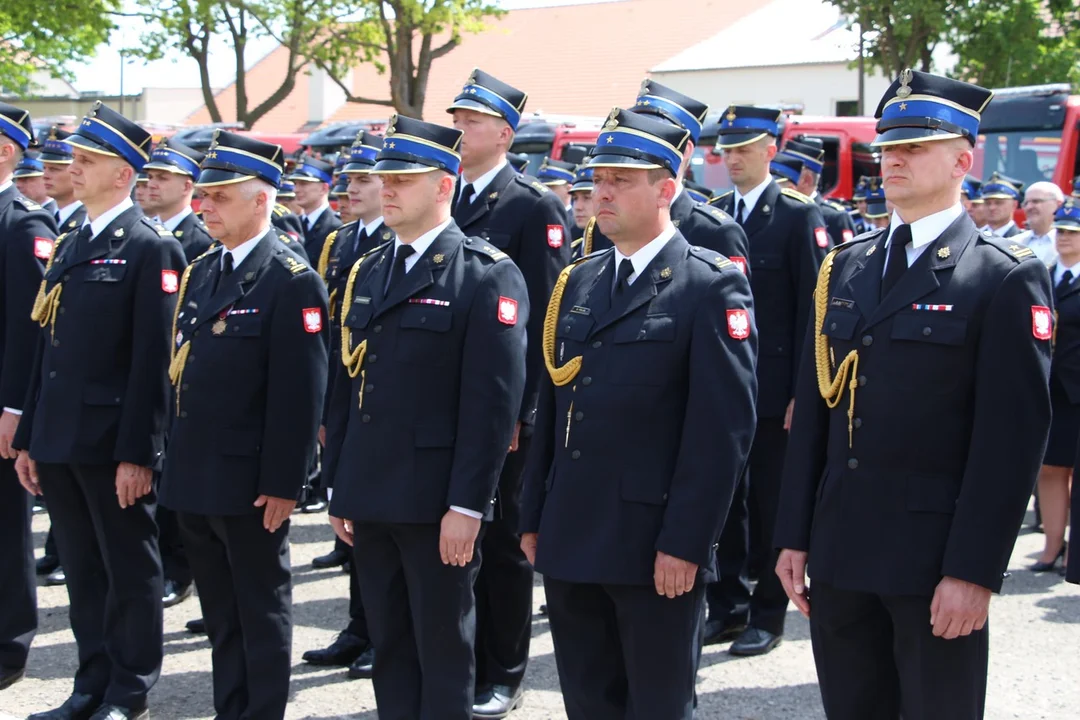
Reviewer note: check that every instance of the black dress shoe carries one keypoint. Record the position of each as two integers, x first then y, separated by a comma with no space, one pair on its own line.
543,610
116,712
342,652
175,593
719,631
754,641
77,707
314,505
56,577
10,676
363,668
1041,567
334,558
497,701
196,626
46,564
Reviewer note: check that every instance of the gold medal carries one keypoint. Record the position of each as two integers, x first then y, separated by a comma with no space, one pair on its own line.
219,327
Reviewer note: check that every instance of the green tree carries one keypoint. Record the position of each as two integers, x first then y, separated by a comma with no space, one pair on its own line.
48,37
899,33
1002,43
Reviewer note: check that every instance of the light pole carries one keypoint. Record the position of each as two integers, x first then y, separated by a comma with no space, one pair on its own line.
121,82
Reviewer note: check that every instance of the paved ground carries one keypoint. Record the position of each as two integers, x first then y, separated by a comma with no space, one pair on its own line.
1034,666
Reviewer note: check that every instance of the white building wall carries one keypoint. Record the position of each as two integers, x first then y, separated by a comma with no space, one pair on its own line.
816,87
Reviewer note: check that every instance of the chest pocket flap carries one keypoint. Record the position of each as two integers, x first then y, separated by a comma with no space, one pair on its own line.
840,324
653,328
942,328
574,326
105,273
243,326
359,316
426,317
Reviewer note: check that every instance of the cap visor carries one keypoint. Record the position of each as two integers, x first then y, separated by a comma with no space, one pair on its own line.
166,167
876,211
581,188
209,177
1073,225
555,182
401,167
357,169
907,135
734,140
305,178
616,161
27,173
474,105
55,159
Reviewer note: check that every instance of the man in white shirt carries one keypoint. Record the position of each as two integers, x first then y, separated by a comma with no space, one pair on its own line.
1041,201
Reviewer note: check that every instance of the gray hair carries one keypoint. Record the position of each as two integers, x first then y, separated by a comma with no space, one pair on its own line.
1050,188
253,187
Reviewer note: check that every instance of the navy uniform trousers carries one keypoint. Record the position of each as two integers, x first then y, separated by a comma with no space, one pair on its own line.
18,599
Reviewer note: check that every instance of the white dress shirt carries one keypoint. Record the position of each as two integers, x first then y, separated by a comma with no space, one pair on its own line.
479,185
68,210
1044,246
750,199
923,232
641,259
313,217
1059,272
176,219
241,251
5,186
98,226
372,226
1000,232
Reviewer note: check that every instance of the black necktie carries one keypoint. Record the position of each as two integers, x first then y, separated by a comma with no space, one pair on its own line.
307,224
1063,285
897,262
56,215
86,234
740,208
398,271
226,271
465,200
361,236
622,278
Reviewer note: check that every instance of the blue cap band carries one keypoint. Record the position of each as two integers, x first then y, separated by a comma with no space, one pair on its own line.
305,170
501,104
620,138
554,173
258,166
104,134
685,119
57,147
783,171
165,156
999,190
898,109
750,124
15,131
414,146
810,163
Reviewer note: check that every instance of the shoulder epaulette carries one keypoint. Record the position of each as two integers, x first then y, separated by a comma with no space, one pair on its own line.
795,195
291,264
156,227
1008,246
711,258
214,247
280,210
714,214
537,186
27,203
714,200
479,246
836,206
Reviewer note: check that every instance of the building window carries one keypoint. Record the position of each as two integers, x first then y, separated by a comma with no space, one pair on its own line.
847,108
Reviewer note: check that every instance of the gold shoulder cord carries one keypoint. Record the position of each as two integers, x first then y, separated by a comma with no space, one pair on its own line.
324,256
46,304
179,356
589,227
559,375
352,359
832,388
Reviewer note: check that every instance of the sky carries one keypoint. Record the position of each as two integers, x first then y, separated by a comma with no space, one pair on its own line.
102,72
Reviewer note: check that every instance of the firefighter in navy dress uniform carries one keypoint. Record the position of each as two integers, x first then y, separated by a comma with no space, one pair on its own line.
644,427
908,469
93,426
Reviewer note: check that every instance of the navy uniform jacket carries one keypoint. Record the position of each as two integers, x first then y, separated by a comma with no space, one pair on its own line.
99,390
288,222
248,400
789,241
340,251
837,221
950,421
27,233
440,378
515,214
193,237
315,236
1066,363
702,225
73,223
642,450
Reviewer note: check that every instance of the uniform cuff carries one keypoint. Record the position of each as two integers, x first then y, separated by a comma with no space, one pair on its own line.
470,513
13,411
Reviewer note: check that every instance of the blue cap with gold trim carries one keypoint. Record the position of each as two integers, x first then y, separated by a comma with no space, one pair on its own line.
583,180
744,124
1002,186
555,172
671,105
362,153
919,107
341,187
234,158
415,146
15,124
287,191
173,156
106,132
637,141
786,168
875,199
518,161
700,193
29,167
56,149
811,153
486,94
1068,215
309,169
972,189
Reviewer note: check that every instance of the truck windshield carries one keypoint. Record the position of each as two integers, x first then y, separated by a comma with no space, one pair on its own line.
1026,155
